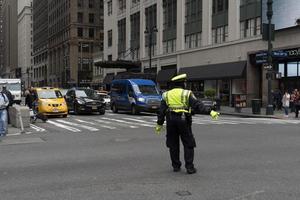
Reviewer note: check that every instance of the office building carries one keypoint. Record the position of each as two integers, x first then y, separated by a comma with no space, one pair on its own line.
25,40
215,42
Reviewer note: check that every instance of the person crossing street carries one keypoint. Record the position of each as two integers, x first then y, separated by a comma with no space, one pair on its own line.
176,106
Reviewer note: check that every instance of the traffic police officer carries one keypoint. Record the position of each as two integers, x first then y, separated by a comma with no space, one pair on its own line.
176,106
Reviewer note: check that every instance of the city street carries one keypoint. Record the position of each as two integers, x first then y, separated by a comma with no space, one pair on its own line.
118,156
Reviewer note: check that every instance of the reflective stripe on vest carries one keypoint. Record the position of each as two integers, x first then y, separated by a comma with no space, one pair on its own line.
177,100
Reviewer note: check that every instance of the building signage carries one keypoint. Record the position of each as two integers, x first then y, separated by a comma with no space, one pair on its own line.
293,52
262,57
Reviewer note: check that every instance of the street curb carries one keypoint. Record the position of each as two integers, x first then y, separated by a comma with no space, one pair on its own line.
250,115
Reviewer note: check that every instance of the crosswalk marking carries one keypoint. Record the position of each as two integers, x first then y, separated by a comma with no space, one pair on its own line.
107,122
38,129
138,120
125,122
78,125
64,126
92,123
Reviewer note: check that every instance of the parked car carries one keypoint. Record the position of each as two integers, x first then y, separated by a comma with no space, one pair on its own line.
105,97
135,95
82,100
50,101
209,103
63,92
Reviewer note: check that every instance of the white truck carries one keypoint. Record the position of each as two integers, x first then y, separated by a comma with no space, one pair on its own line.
14,86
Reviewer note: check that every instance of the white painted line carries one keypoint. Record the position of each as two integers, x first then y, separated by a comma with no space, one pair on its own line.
78,125
38,129
64,126
92,123
107,122
86,122
125,122
141,121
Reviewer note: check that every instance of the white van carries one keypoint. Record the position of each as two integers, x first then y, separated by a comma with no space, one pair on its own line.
14,86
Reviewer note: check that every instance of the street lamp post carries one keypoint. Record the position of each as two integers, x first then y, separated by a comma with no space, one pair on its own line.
150,36
269,109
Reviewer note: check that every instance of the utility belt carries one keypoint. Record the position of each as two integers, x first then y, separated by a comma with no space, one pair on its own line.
179,115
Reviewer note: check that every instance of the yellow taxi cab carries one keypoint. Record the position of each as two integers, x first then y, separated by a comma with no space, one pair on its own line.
50,101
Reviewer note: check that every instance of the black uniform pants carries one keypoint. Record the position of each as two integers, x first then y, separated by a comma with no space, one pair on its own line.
178,127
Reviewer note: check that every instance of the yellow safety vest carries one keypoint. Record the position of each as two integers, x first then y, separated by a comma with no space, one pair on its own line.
177,100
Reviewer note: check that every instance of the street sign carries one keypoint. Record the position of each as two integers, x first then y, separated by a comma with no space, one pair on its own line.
268,67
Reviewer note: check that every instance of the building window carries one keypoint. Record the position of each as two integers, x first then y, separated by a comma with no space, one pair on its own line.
80,3
122,6
250,27
80,17
220,34
193,40
121,38
109,8
109,38
134,3
109,57
135,35
169,46
151,24
292,69
91,18
281,69
91,3
79,32
219,6
91,33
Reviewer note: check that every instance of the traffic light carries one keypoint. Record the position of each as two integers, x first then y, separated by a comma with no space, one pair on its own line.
18,72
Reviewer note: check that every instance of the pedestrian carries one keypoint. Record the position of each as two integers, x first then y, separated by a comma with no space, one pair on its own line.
10,99
292,101
3,113
297,103
176,106
286,103
28,99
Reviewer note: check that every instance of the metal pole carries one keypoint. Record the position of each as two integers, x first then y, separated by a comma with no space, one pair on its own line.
269,109
150,44
80,63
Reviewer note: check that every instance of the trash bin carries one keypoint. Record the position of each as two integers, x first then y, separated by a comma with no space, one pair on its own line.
256,106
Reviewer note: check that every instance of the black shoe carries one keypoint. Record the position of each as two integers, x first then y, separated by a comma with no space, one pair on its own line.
177,169
191,170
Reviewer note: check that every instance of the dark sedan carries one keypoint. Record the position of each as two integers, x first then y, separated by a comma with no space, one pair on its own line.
208,103
81,100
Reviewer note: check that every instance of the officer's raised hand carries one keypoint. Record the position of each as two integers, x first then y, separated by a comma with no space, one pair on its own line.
214,115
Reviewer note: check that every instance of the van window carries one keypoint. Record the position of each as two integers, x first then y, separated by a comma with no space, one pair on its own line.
148,89
119,88
130,91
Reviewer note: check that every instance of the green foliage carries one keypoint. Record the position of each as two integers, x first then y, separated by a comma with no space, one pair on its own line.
210,93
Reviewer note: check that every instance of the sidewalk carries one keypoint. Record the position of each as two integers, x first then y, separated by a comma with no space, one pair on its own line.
247,112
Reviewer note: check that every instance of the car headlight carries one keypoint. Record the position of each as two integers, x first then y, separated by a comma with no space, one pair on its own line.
141,99
63,104
43,103
80,101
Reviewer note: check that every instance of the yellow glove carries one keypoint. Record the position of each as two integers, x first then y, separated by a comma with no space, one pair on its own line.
158,129
214,115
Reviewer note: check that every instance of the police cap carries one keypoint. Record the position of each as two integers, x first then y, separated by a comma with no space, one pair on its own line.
179,78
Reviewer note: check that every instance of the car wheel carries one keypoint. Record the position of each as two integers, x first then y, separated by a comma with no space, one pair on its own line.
65,116
102,112
134,110
114,108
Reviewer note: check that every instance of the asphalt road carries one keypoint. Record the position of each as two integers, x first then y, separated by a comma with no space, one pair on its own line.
118,156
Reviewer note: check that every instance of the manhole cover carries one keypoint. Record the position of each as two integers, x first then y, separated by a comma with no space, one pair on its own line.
183,193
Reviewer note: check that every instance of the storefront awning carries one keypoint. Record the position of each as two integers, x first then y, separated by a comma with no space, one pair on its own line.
108,79
122,64
216,71
165,75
